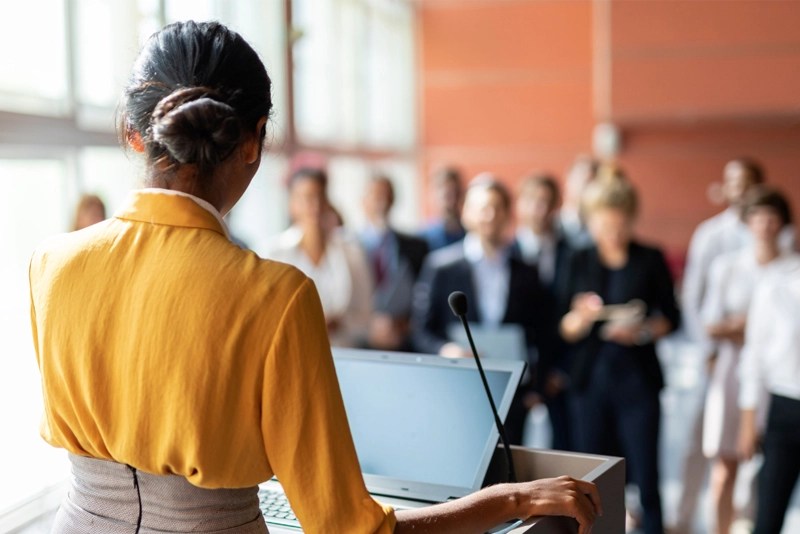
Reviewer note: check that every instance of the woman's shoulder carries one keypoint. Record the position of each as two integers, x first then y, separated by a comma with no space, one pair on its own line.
59,250
647,251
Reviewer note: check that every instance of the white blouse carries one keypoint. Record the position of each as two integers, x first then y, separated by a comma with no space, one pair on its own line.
342,277
770,358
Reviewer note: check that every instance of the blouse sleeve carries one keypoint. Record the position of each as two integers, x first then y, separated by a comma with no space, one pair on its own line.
758,333
306,436
713,308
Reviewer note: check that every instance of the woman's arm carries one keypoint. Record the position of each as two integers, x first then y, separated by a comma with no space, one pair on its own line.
577,324
718,325
495,505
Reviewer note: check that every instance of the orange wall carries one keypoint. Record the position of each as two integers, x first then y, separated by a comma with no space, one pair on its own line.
505,86
510,86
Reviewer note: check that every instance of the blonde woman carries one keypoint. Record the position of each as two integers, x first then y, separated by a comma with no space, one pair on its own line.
616,377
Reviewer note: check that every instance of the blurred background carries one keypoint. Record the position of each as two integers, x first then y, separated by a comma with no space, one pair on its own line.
672,89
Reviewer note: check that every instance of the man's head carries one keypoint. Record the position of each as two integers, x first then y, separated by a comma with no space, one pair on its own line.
539,198
738,176
448,192
378,200
487,209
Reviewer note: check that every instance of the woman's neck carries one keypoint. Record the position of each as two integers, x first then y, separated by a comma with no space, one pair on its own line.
766,251
184,180
313,242
613,257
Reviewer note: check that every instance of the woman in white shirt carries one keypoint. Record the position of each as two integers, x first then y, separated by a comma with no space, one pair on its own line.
771,363
327,255
731,281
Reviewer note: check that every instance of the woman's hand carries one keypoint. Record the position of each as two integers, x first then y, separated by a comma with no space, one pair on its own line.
731,328
562,496
627,334
587,306
585,309
495,505
453,350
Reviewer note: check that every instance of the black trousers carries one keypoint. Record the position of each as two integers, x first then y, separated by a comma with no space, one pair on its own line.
781,468
619,414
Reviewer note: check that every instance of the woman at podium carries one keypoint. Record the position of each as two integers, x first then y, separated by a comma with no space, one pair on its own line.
178,370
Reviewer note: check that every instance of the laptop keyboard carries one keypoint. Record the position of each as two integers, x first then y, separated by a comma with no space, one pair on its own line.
275,508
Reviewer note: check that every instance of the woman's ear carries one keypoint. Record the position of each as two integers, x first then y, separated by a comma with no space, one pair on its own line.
134,140
251,148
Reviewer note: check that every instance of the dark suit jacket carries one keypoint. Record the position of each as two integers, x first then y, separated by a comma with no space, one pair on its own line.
448,270
563,254
412,249
646,278
555,294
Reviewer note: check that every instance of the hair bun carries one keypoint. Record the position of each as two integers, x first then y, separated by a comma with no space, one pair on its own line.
195,127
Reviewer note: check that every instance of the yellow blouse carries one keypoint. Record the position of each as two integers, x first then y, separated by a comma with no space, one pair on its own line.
164,346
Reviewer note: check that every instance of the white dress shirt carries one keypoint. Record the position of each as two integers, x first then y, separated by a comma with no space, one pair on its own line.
342,277
490,277
770,358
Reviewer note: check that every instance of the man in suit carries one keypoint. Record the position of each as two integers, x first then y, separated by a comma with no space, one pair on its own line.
396,260
500,288
539,243
448,196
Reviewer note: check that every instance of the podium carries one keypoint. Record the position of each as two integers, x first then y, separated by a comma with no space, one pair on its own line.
607,472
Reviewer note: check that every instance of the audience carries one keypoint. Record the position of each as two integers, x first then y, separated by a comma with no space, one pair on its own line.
539,243
396,259
448,197
500,288
731,280
578,270
316,245
722,233
616,376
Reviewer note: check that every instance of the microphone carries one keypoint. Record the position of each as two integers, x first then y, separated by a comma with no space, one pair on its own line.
458,303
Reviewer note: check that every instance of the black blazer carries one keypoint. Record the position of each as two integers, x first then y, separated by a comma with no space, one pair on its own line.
411,249
448,270
647,278
563,255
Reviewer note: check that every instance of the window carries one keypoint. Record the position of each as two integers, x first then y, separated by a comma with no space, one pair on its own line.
33,70
354,73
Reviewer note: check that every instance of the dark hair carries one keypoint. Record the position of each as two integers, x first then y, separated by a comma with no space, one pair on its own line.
754,169
548,181
448,174
767,197
490,182
308,173
196,89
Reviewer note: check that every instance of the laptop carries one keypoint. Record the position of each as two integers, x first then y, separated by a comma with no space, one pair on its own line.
422,426
506,341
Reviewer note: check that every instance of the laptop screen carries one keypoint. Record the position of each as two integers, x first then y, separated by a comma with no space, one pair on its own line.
423,419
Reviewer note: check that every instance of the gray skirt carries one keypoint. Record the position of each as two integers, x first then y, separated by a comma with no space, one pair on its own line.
105,496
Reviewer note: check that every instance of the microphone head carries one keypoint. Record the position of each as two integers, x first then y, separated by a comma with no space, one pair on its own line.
458,303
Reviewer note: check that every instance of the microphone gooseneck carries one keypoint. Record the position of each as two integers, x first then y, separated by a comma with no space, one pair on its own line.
459,305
